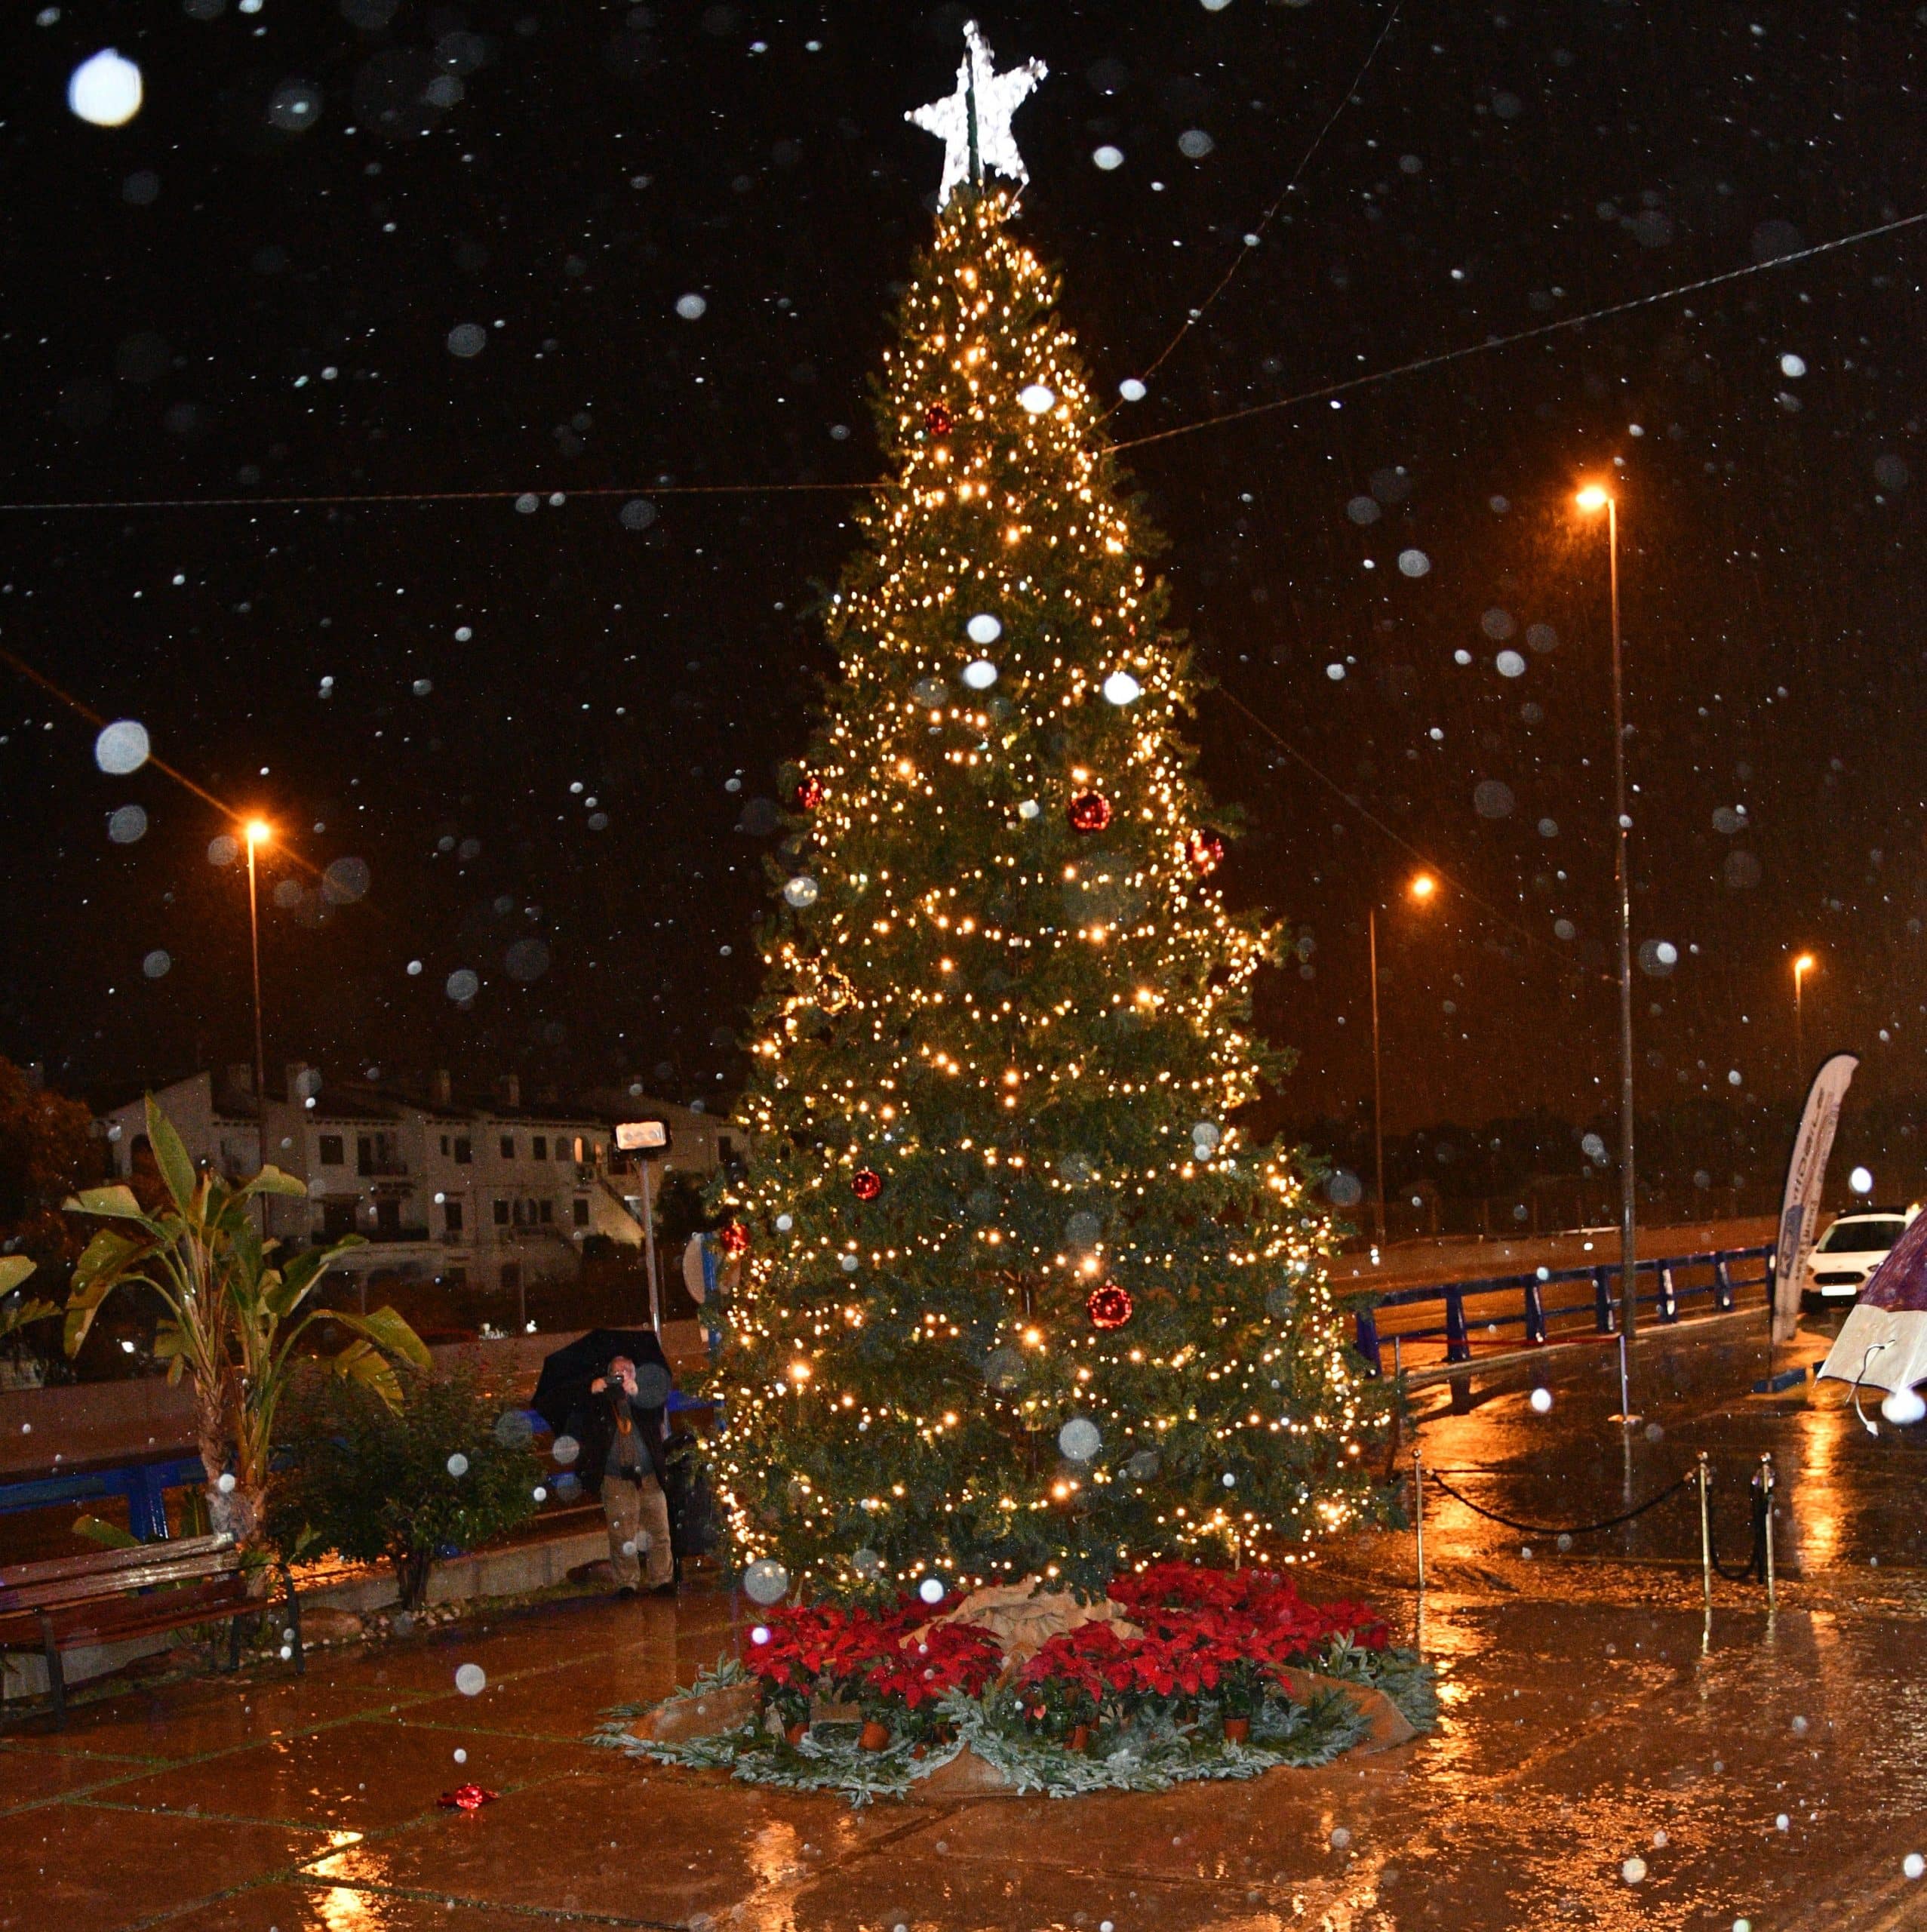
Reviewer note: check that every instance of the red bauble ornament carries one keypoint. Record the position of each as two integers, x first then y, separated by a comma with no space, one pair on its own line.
1090,811
1206,849
466,1797
809,794
866,1184
733,1238
936,419
1109,1307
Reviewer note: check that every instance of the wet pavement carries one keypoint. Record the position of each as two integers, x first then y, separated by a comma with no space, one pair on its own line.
1595,1712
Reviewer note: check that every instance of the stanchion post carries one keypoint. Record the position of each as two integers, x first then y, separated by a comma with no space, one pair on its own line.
1705,1532
1418,1510
1766,1489
1625,1415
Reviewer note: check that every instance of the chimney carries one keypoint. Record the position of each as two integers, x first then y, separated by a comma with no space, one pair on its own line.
303,1081
240,1078
512,1090
441,1089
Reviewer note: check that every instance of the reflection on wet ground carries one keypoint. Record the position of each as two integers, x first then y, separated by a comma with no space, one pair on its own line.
1756,1765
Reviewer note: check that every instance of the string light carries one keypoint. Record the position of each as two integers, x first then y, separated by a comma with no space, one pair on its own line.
1020,1024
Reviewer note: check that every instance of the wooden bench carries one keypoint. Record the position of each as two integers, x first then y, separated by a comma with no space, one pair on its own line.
107,1595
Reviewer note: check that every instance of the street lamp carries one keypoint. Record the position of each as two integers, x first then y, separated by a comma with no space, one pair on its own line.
257,832
1592,499
1420,888
1803,965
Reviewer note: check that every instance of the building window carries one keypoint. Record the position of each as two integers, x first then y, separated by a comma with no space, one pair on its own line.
546,1211
451,1217
465,1152
582,1212
539,1148
334,1153
388,1217
337,1219
512,1276
445,1146
456,1277
501,1214
562,1148
508,1146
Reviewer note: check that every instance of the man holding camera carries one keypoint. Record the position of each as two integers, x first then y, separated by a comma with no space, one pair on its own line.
623,1461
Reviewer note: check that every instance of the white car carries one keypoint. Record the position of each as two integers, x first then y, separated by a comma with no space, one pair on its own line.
1848,1252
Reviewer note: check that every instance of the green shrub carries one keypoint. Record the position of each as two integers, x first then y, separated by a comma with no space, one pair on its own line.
375,1485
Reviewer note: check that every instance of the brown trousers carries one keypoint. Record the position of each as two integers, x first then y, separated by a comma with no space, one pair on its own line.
638,1517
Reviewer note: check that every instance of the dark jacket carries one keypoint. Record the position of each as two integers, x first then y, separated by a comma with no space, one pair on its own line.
593,1422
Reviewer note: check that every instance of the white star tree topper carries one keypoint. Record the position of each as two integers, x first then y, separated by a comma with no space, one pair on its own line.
974,123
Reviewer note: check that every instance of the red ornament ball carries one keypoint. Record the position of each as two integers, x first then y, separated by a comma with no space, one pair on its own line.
734,1237
1090,811
1207,851
866,1184
809,794
936,419
466,1797
1109,1307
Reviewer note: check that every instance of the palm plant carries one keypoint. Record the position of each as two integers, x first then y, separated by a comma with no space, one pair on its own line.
235,1311
16,1314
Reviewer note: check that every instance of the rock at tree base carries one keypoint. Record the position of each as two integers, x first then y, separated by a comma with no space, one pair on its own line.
965,1775
1386,1723
684,1718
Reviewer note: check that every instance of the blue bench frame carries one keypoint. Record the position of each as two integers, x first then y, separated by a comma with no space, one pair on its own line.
144,1485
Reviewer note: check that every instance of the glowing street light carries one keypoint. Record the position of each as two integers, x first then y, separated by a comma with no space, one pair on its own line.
1421,888
1803,965
257,832
1592,499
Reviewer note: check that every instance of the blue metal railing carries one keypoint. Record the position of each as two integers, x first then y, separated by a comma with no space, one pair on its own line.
144,1485
1532,1318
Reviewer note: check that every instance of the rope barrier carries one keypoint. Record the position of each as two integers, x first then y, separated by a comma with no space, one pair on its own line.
1554,1529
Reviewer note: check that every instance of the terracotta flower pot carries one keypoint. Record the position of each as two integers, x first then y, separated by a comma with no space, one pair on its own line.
1080,1737
1237,1731
796,1733
875,1737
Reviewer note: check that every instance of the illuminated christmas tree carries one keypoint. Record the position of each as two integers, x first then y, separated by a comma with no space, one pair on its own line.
1018,1296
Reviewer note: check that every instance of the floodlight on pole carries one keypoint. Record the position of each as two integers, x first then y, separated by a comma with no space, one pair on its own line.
1592,498
1421,887
1803,965
255,833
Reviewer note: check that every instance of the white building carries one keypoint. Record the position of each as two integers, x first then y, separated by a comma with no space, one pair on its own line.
472,1190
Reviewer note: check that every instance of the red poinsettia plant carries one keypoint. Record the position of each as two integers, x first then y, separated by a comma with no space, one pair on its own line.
1079,1677
888,1663
1170,1596
924,1667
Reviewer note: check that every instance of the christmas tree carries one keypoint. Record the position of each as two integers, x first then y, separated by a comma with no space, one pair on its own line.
1018,1296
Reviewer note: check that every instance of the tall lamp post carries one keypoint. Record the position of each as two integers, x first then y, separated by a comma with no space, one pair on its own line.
1421,888
1803,965
257,832
1591,499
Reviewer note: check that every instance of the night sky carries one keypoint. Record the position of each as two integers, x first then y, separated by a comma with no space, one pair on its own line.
527,744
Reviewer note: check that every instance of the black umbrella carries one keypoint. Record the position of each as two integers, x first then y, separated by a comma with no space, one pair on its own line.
566,1374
